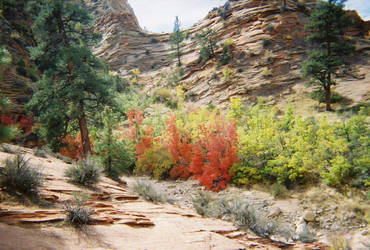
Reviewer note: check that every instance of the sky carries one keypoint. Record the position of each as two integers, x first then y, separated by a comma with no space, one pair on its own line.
159,15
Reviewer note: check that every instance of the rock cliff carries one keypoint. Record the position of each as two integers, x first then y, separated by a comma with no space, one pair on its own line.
268,46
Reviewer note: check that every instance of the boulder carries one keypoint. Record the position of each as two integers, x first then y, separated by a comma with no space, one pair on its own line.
275,211
309,216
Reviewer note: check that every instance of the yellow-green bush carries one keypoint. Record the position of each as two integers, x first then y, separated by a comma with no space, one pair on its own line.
292,150
165,96
156,161
228,75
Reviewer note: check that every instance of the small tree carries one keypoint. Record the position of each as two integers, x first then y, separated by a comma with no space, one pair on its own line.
114,152
176,39
208,43
72,84
327,24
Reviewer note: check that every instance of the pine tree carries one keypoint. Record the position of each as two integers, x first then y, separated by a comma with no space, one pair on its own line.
327,24
114,152
6,132
176,39
72,83
208,43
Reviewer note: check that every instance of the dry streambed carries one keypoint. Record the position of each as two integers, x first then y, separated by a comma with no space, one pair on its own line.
318,213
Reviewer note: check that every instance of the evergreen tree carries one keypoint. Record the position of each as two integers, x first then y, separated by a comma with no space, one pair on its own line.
72,83
208,43
176,39
114,152
6,132
327,24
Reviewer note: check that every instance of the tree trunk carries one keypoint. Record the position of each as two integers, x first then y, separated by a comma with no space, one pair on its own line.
178,55
85,140
327,98
109,145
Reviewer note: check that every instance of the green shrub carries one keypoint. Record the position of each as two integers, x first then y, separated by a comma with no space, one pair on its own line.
319,95
266,43
291,150
174,77
149,192
226,52
17,175
156,161
228,75
132,97
163,95
86,172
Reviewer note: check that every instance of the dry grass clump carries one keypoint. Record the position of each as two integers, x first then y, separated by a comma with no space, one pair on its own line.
150,192
18,176
77,214
85,173
40,152
6,148
244,214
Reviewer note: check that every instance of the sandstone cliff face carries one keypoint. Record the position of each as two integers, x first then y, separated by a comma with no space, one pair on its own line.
124,42
268,48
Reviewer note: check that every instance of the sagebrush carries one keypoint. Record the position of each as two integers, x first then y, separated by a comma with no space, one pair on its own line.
19,176
85,172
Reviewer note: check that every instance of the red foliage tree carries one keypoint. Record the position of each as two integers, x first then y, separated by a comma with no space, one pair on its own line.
24,122
72,146
6,120
180,148
218,147
197,161
142,137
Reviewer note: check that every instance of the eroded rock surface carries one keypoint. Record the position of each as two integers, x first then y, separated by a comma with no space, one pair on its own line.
121,220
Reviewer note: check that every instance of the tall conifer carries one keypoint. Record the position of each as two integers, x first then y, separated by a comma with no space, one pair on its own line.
176,38
327,24
71,87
